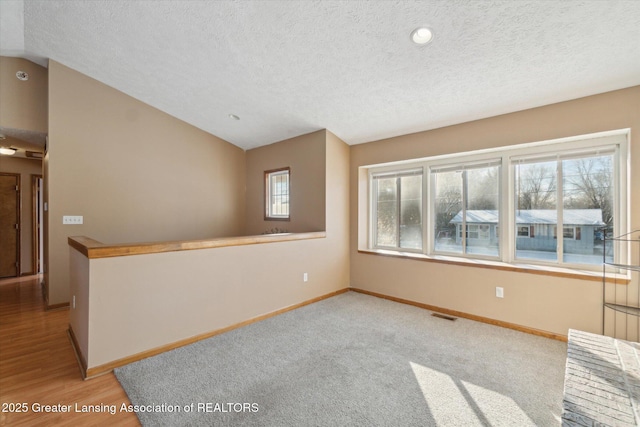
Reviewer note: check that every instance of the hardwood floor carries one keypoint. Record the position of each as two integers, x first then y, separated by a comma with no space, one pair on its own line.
38,366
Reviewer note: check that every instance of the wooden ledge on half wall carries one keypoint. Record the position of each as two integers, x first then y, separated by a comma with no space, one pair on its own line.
93,249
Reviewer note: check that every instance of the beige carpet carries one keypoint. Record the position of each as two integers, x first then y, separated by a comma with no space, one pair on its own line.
354,360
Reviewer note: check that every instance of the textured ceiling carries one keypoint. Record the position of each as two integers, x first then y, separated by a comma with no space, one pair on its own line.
290,67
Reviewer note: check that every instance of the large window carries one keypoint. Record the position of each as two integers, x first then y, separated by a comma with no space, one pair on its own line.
276,183
398,209
541,203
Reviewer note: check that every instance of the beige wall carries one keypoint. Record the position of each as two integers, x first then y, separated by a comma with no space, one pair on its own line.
218,287
249,281
134,173
305,155
26,168
23,104
79,273
548,303
336,257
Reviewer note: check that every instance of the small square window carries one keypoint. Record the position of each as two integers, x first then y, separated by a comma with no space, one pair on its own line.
277,194
569,233
523,231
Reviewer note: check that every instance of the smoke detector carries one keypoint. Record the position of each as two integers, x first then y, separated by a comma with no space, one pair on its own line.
22,75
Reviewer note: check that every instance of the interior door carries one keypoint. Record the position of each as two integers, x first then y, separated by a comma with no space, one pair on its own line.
36,215
9,225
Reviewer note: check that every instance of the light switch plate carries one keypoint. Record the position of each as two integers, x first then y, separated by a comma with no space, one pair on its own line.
72,219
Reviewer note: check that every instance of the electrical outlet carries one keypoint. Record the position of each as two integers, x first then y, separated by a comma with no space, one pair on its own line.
305,277
499,292
72,219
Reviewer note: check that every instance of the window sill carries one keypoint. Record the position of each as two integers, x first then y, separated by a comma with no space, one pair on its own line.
503,266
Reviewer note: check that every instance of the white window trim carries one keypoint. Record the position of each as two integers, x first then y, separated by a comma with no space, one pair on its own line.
618,139
269,175
373,220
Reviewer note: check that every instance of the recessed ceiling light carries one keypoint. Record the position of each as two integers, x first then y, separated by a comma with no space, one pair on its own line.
422,35
234,117
22,75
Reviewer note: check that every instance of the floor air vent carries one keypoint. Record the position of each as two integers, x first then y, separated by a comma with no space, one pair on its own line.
444,316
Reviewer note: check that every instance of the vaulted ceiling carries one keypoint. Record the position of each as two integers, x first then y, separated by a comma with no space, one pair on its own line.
287,68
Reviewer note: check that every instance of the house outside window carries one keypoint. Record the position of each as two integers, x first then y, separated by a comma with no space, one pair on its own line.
523,231
277,185
463,195
575,189
475,231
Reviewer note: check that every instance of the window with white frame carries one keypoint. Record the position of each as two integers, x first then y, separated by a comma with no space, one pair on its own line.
571,233
466,197
572,189
484,231
523,231
276,183
528,192
475,231
397,209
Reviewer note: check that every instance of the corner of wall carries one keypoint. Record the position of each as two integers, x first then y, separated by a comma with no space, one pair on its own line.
306,156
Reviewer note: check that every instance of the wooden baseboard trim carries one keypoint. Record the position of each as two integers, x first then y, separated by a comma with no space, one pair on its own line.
108,367
464,315
82,362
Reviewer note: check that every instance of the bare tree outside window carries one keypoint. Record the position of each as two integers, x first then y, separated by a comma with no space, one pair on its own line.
586,190
536,185
448,202
548,203
398,210
387,212
588,185
536,210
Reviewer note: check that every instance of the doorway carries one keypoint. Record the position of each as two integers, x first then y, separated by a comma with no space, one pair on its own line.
9,225
38,231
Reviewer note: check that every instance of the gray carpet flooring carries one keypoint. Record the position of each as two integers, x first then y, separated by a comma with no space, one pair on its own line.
354,360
